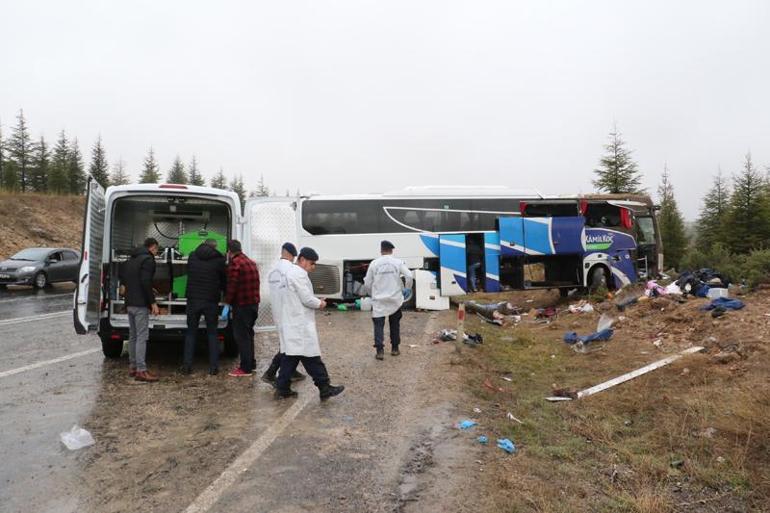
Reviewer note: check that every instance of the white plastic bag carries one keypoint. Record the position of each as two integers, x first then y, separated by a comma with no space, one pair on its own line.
76,438
605,321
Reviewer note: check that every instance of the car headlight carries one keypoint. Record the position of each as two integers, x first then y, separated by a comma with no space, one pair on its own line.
27,269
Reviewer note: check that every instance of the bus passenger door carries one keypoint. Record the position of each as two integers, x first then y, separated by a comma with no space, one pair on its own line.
492,262
453,267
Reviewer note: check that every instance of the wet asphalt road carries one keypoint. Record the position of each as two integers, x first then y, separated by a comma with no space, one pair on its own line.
165,447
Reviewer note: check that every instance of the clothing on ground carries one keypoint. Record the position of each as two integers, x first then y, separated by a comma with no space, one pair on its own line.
726,303
572,338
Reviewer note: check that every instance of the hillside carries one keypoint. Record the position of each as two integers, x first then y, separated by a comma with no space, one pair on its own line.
39,220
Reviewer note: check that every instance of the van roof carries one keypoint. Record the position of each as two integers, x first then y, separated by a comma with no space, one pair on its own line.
170,189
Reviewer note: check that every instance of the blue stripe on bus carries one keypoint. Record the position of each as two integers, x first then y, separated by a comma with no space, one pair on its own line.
431,242
492,262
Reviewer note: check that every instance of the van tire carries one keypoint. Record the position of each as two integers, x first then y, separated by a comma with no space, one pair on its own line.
112,349
230,345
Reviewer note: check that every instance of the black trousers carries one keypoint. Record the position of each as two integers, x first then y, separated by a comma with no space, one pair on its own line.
244,317
394,322
312,364
275,364
209,312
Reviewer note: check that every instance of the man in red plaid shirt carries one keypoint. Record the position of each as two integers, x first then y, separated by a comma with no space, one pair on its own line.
243,297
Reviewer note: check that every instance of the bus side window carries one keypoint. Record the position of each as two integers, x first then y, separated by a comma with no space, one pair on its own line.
602,215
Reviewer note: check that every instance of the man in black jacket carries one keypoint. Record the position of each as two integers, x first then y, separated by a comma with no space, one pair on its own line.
205,284
137,277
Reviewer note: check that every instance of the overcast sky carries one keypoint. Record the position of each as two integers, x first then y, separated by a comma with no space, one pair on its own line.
371,96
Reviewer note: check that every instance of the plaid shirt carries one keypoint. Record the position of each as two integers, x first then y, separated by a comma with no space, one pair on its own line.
242,281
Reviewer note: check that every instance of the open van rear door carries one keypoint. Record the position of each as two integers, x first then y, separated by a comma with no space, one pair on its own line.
88,292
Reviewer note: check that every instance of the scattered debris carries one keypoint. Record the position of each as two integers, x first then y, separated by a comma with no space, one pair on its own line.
506,445
76,438
449,335
568,393
725,304
581,307
413,345
476,410
511,417
571,337
717,292
506,378
482,439
466,424
488,384
605,322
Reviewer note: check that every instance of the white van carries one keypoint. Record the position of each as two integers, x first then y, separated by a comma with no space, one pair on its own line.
120,219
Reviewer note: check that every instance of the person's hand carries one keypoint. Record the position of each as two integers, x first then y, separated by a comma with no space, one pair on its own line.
322,305
154,310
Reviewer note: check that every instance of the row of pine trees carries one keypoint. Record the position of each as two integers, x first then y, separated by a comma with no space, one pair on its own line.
28,165
734,215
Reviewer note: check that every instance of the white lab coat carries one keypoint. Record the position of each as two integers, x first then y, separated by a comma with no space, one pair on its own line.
383,283
297,315
279,287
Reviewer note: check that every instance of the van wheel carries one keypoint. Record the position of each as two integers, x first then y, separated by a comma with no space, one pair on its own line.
231,346
597,279
111,348
41,280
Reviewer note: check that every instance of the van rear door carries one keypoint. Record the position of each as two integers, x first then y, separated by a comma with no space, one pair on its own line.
88,292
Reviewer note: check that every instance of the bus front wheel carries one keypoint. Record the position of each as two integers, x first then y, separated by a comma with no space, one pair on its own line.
598,279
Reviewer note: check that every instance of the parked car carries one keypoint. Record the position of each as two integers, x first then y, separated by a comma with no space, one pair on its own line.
40,266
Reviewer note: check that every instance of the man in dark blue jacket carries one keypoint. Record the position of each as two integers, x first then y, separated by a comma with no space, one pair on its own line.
137,275
205,284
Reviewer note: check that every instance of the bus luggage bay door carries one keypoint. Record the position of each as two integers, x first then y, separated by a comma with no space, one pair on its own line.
452,260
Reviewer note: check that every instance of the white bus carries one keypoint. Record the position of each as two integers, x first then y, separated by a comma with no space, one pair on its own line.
346,231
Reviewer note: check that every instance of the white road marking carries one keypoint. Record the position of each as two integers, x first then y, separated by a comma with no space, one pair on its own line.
37,365
31,318
206,500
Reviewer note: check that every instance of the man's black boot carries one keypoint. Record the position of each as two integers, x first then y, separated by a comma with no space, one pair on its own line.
285,394
297,376
394,351
380,353
327,391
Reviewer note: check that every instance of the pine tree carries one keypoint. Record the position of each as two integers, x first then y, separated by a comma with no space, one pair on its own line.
177,174
20,149
710,227
618,173
58,178
76,172
236,185
262,189
99,168
150,170
748,216
119,175
196,178
218,181
40,167
671,223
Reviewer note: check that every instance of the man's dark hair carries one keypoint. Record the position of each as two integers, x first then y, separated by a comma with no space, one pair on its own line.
150,242
211,242
234,246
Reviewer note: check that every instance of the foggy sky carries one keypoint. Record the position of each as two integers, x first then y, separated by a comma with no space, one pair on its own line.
371,96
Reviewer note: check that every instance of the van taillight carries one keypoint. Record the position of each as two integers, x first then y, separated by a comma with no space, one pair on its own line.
116,336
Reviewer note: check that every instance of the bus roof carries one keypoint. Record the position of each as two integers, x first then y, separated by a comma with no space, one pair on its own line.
444,191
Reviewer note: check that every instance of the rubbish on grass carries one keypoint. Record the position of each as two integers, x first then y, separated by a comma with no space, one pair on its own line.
571,337
605,322
654,290
717,292
546,313
673,288
511,417
506,445
638,372
467,424
449,335
482,439
342,307
725,303
488,310
476,410
622,304
557,398
718,312
506,378
488,384
413,345
76,438
581,307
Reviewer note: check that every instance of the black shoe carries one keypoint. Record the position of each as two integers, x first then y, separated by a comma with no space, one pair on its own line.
285,394
185,370
380,354
213,372
297,376
269,377
395,352
328,391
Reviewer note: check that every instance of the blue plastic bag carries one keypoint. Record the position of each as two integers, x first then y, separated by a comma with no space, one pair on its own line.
482,439
225,312
467,424
506,445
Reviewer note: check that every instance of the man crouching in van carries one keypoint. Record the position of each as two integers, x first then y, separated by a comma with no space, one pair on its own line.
138,273
297,327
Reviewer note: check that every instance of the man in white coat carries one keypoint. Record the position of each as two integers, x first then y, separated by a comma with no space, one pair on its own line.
299,338
383,283
278,286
